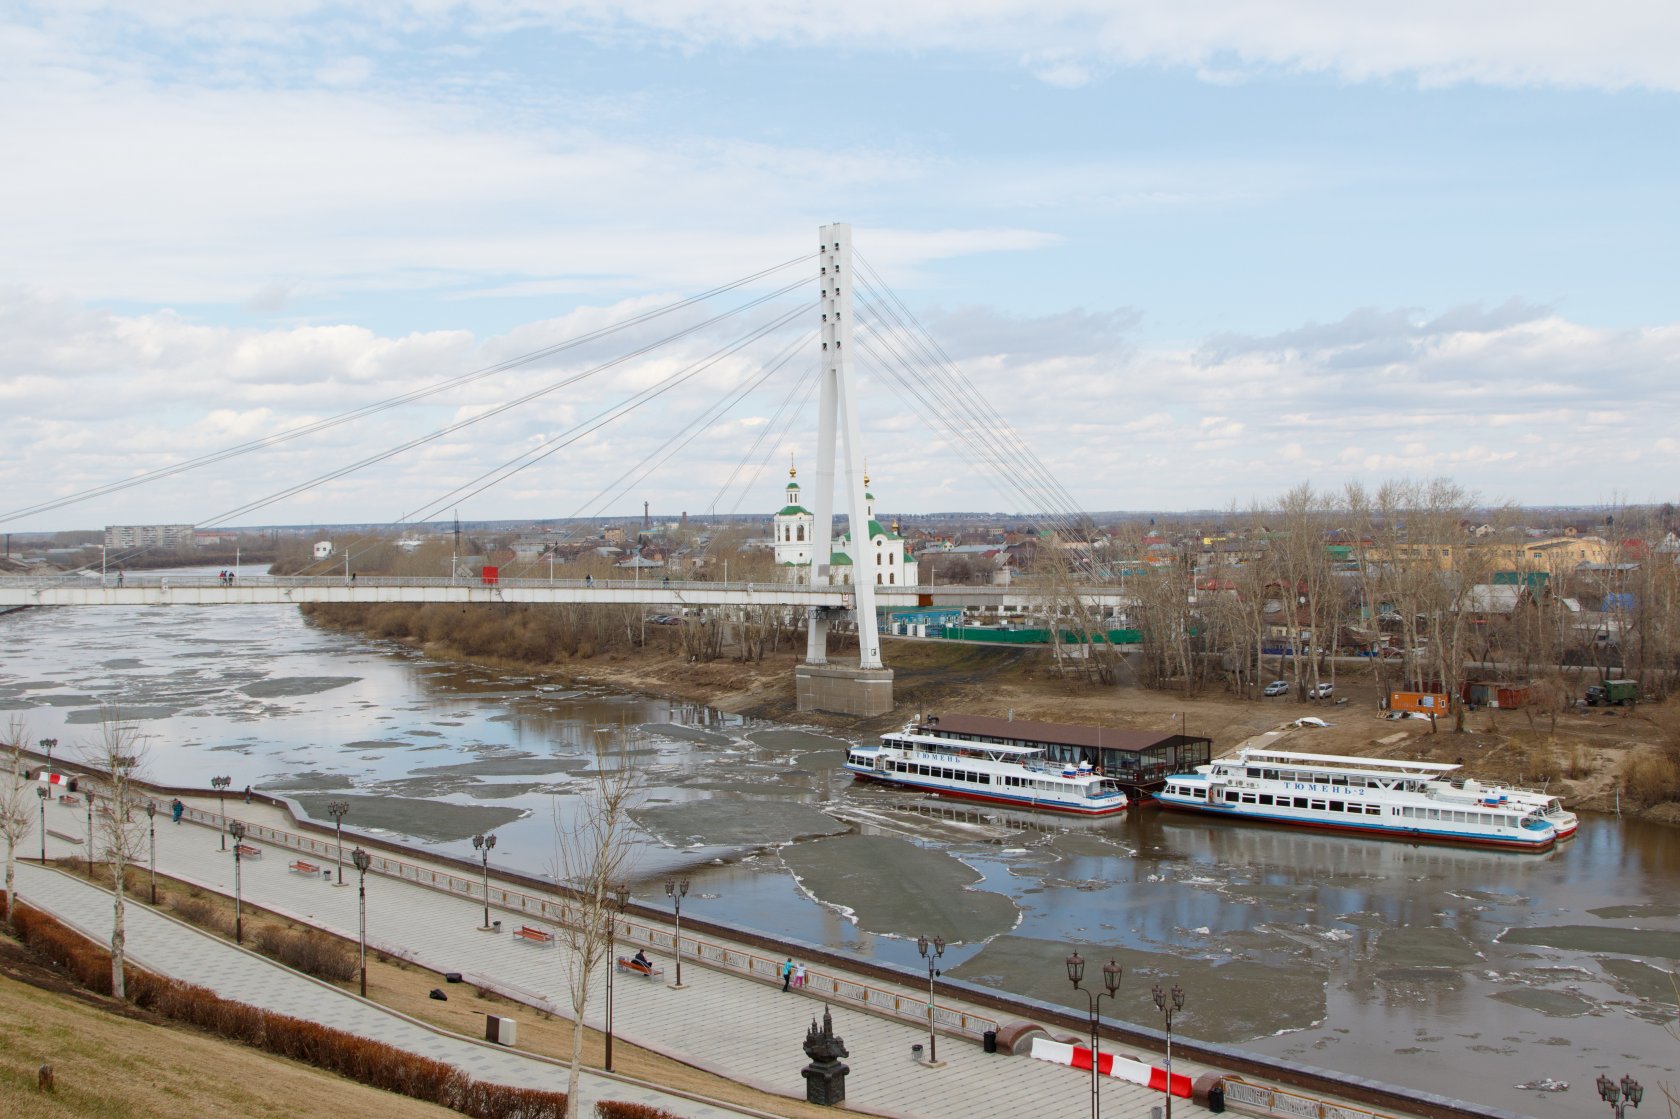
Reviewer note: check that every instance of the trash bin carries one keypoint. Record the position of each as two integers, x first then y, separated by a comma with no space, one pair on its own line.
496,926
916,1052
988,1041
1216,1099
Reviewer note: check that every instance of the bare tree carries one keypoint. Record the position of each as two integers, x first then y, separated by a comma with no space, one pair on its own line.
120,752
17,811
593,857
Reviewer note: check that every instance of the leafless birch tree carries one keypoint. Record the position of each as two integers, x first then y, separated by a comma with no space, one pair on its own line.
17,809
593,856
120,753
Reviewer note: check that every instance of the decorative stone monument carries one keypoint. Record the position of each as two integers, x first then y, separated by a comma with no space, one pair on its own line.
825,1076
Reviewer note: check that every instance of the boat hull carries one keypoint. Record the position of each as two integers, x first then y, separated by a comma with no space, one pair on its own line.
1373,830
897,781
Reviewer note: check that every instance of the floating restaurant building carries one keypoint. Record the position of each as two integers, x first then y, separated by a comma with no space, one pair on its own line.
1140,760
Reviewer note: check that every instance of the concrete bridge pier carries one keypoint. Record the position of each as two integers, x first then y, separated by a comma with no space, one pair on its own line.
843,689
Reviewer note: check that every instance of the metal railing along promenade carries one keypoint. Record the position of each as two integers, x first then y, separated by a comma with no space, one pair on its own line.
1279,1101
911,1008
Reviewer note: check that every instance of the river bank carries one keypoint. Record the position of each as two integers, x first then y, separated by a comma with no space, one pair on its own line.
1606,759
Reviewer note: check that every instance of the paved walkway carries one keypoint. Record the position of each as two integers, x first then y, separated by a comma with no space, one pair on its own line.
163,945
746,1030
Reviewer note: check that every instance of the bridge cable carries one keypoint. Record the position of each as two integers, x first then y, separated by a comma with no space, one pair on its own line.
433,436
376,407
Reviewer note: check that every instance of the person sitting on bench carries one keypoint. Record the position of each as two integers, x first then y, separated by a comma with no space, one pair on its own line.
640,960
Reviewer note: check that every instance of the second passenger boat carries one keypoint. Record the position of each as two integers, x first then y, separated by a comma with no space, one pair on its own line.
1373,796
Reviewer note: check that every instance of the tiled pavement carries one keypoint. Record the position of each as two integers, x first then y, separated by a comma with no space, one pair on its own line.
746,1030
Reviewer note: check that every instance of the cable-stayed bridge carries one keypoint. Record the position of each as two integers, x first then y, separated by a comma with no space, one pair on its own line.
857,319
280,590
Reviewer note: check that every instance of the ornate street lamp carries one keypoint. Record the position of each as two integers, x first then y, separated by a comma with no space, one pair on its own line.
1111,973
621,900
338,809
220,784
238,830
1618,1096
676,891
47,745
931,950
41,791
483,844
363,860
1169,1004
89,793
151,828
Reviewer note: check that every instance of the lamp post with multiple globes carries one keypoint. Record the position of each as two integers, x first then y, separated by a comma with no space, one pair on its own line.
1169,1004
362,861
237,829
677,890
1111,973
483,844
931,950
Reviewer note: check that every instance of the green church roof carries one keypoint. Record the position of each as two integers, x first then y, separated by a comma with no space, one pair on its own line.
840,558
794,511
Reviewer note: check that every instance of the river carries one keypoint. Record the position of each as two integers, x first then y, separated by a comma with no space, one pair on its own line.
1461,972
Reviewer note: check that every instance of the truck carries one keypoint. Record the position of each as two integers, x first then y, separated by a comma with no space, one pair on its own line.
1618,692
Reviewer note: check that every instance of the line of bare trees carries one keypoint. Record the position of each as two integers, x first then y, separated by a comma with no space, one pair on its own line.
1280,591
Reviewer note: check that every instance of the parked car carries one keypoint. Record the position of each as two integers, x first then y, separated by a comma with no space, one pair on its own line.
1277,687
1321,691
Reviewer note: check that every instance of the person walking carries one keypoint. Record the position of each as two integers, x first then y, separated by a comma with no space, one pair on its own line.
176,809
787,973
799,977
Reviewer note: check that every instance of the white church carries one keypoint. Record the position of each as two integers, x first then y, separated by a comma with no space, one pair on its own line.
885,554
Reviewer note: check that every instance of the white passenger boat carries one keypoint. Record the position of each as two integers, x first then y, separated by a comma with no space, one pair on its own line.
1371,796
995,772
1551,810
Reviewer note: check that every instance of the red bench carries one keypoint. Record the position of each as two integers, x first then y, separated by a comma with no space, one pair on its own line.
301,867
537,936
246,851
628,963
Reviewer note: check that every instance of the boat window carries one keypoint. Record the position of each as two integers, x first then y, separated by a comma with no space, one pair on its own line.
1300,802
1271,774
1230,796
1265,798
1253,771
1338,806
1319,805
1198,792
1248,798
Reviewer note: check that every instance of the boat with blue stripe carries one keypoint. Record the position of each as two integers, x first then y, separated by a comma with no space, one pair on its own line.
992,772
1369,796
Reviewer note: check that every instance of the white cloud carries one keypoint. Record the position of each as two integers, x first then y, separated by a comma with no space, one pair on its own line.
1630,43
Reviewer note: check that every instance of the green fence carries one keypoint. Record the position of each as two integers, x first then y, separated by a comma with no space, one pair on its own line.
1014,636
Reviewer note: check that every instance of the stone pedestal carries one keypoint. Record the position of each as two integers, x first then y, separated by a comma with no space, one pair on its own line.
843,689
825,1076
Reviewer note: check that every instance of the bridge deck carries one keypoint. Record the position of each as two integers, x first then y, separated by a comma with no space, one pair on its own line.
210,590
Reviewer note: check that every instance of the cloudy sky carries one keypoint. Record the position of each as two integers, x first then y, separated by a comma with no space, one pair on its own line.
1195,253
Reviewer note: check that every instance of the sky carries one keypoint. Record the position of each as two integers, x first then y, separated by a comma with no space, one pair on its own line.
1195,254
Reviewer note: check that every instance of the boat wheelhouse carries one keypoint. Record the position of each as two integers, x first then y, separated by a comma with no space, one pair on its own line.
994,772
1370,796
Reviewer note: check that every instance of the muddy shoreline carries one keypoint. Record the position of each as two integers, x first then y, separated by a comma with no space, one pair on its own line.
1583,760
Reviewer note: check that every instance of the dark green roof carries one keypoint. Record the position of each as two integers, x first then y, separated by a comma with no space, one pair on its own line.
841,558
794,511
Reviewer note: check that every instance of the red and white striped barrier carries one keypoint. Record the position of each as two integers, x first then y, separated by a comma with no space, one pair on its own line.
47,778
1121,1068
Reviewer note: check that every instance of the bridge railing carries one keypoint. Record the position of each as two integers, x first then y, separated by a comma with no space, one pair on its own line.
909,1007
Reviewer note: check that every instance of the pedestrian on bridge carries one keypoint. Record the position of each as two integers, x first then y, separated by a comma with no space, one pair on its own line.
787,973
176,809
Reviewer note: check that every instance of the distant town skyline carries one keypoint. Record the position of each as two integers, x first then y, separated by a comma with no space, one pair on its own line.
1195,256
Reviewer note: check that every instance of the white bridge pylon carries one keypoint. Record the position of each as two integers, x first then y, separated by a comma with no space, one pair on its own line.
837,416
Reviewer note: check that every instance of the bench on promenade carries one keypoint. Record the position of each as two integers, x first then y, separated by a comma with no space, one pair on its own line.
301,867
69,800
536,936
628,963
246,851
64,836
